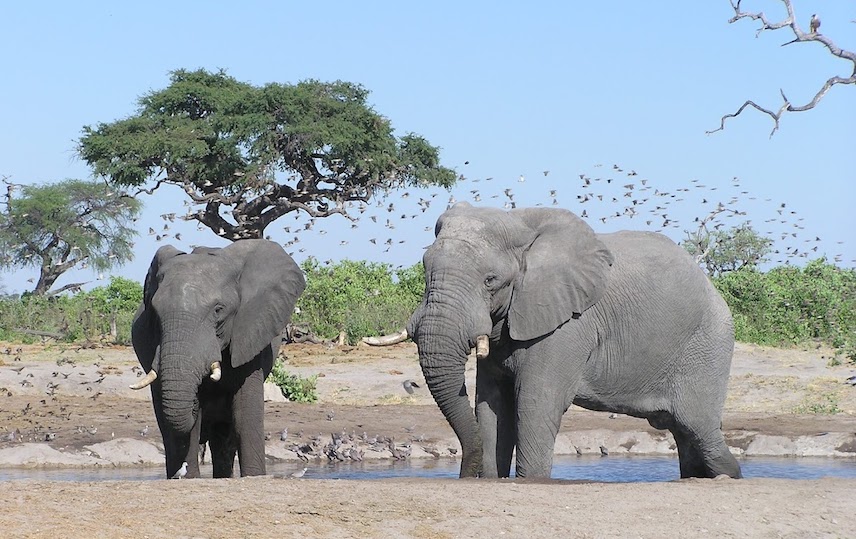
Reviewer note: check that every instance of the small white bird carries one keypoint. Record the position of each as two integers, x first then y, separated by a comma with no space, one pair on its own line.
814,23
181,471
144,431
299,473
284,434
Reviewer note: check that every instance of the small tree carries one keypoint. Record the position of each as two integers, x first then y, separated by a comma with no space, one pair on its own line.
59,226
720,251
258,153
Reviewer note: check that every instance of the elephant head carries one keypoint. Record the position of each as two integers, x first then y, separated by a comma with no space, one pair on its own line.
512,276
210,305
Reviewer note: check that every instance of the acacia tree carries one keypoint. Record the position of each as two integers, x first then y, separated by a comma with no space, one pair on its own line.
720,251
59,226
813,35
247,155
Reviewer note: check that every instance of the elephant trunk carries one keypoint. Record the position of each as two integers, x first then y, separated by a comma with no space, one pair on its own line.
180,375
443,358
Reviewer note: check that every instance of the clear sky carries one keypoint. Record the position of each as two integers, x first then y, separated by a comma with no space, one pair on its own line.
508,91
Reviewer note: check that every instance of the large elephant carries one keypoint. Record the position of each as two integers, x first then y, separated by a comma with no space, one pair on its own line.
622,322
206,334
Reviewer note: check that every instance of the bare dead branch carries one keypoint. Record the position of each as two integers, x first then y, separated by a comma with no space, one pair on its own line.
800,37
72,286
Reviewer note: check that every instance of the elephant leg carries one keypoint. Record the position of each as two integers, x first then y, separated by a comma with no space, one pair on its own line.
223,447
702,451
248,420
538,420
496,419
691,462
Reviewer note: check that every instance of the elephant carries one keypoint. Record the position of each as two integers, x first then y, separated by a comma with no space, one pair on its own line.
207,333
625,322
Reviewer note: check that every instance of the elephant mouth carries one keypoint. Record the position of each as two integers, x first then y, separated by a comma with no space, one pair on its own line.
215,373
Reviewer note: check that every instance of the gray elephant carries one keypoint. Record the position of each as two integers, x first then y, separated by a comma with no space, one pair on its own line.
207,333
623,322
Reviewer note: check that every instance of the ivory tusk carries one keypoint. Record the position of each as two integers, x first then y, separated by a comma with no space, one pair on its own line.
215,371
386,340
482,347
149,378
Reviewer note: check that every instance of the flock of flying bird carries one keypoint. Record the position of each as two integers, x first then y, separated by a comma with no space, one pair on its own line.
611,199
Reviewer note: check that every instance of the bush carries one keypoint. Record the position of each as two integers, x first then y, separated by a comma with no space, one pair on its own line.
789,305
294,388
86,315
358,297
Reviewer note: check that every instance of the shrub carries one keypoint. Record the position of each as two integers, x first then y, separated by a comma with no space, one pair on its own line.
789,305
86,315
358,297
294,388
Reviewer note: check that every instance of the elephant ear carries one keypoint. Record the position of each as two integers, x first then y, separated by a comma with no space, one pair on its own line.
564,272
144,329
268,287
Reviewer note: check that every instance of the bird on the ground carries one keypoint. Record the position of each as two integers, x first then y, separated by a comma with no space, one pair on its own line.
284,434
144,431
181,471
299,473
814,23
852,380
409,385
604,452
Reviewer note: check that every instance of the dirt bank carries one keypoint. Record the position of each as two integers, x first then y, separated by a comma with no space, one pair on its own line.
71,407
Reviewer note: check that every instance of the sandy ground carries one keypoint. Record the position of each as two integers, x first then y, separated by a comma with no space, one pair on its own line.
66,406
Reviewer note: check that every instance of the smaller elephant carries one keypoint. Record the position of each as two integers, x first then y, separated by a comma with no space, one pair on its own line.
206,334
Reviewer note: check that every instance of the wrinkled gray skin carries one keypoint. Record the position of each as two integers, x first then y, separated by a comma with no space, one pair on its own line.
226,305
622,322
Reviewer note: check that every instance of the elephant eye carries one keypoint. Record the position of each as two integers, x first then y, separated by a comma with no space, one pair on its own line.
490,280
218,309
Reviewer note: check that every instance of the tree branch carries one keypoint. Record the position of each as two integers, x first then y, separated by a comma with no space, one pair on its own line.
800,36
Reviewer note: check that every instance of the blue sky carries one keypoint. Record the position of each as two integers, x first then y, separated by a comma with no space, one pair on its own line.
566,87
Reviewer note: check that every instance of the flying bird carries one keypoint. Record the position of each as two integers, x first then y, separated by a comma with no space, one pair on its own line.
409,385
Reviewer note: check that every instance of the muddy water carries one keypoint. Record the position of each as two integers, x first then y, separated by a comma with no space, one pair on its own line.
602,469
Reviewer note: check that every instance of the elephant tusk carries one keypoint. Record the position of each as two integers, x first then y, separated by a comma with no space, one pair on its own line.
149,378
482,347
387,340
215,371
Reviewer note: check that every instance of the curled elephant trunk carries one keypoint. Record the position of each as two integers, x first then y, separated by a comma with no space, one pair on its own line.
386,340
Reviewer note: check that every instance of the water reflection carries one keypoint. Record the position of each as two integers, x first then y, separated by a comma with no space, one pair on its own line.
609,469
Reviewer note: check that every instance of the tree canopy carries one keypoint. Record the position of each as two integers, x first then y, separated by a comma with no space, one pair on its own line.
721,251
247,155
56,227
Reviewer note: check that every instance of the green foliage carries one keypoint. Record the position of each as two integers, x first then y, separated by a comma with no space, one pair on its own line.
261,151
790,305
59,226
357,297
722,251
823,403
294,388
86,315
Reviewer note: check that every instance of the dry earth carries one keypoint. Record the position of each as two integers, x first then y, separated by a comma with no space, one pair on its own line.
781,402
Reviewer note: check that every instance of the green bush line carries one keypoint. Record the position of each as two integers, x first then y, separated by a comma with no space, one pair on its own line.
784,306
